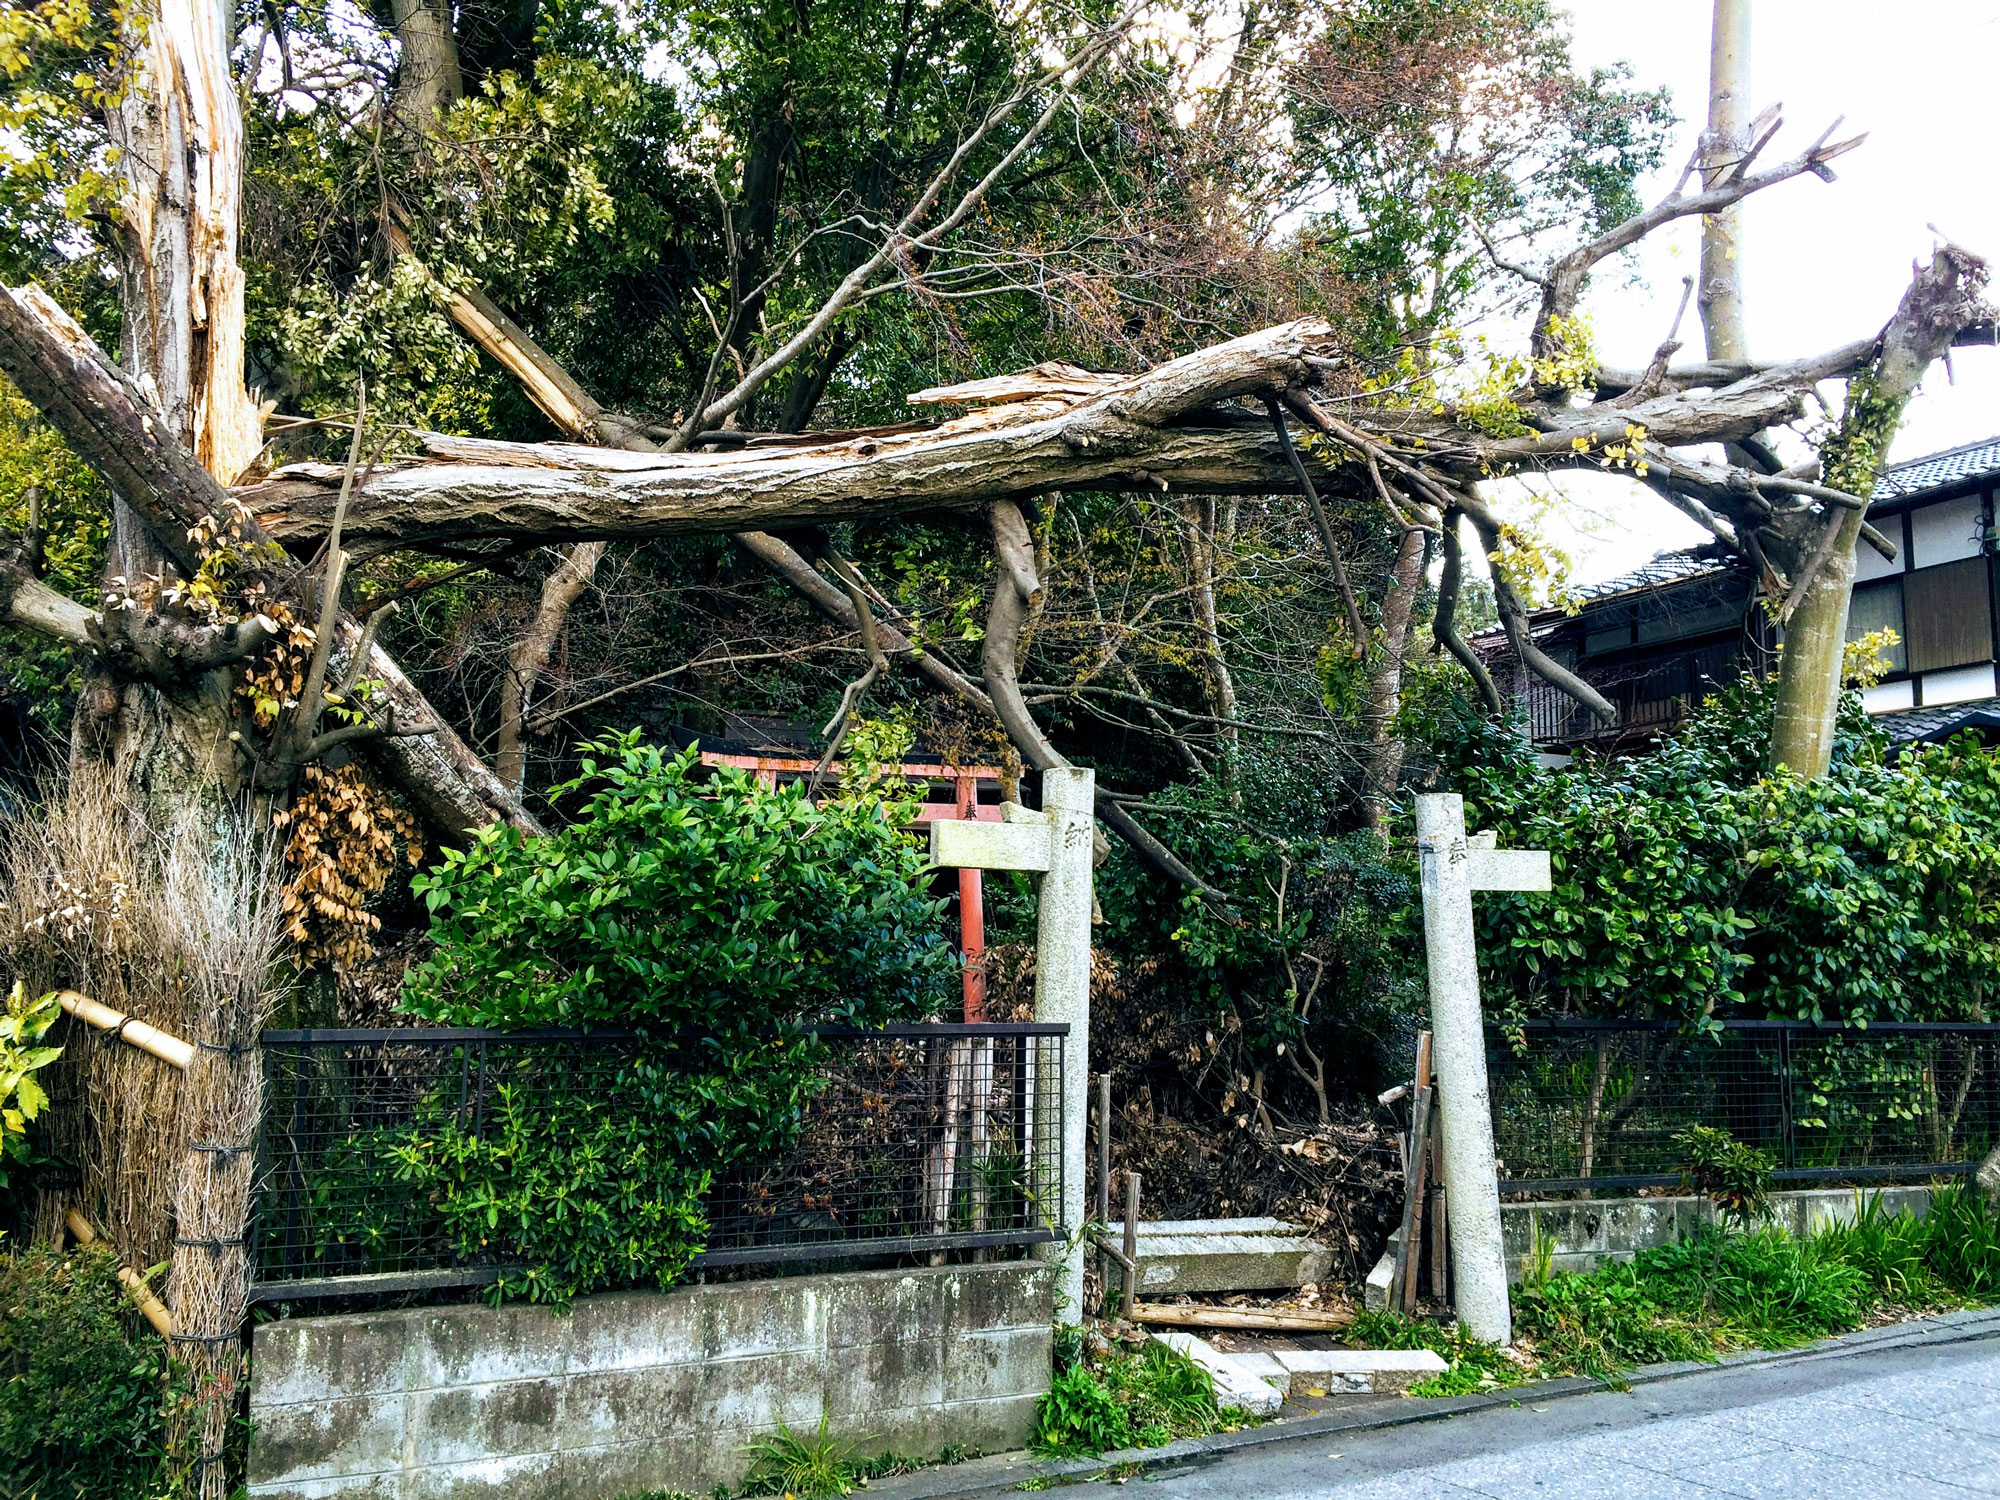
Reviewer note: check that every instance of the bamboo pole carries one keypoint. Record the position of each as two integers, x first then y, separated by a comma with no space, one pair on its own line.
154,1310
149,1039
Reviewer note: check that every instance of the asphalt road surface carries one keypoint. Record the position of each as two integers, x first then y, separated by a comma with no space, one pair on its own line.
1901,1422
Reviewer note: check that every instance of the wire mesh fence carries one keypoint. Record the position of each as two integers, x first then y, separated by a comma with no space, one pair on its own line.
1596,1105
897,1141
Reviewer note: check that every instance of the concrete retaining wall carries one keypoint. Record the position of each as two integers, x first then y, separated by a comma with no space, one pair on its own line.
1586,1235
644,1390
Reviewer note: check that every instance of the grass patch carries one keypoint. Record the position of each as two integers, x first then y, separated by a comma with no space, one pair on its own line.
816,1464
1139,1400
1719,1292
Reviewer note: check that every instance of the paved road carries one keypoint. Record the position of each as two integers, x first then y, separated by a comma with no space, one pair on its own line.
1894,1422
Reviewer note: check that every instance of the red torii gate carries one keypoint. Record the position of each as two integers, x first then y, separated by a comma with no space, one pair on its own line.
965,804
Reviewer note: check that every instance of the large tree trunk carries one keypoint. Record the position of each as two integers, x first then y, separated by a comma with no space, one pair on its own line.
428,80
167,748
1385,688
1820,560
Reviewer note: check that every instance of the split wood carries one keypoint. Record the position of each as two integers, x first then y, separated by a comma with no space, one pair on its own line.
1276,1319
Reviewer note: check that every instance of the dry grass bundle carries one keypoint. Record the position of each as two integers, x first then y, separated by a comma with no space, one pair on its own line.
179,924
81,876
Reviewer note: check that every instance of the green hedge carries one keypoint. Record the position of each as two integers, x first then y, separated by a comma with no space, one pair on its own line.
683,904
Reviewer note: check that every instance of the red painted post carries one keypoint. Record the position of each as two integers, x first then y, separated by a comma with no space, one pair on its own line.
972,915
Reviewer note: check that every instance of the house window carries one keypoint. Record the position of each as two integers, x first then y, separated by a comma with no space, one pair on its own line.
1949,614
1879,606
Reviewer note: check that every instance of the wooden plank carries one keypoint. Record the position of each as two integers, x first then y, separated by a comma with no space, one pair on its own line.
1509,869
1410,1253
1440,1245
991,846
1297,1320
1423,1151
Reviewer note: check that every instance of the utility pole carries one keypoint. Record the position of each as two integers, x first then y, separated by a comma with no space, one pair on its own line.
1720,296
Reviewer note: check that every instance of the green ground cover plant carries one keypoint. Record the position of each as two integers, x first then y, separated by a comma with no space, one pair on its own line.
1719,1291
1142,1399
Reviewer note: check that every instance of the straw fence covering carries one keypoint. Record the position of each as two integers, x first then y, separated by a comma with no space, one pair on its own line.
174,922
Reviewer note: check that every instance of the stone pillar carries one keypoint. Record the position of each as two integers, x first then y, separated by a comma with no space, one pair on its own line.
1458,1055
1062,993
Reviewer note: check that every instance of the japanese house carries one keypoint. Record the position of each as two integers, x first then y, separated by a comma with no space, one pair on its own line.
1658,640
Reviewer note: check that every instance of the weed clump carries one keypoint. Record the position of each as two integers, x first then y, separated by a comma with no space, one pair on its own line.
1138,1400
1719,1291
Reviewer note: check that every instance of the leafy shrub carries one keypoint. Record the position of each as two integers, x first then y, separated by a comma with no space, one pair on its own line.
1962,1231
1130,1400
1734,1177
674,901
81,1380
22,1026
719,919
1690,884
1079,1415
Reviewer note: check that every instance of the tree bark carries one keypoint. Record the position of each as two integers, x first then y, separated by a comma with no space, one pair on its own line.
179,137
529,656
1385,749
1941,300
1198,516
428,80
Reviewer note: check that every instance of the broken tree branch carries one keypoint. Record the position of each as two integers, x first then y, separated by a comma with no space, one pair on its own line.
1357,632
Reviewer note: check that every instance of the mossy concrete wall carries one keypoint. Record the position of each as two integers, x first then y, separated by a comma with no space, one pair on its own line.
635,1391
1584,1235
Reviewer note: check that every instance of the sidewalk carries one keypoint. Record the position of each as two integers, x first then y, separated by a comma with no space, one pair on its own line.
1908,1409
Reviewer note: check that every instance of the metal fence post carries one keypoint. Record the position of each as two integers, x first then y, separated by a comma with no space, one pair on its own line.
1787,1098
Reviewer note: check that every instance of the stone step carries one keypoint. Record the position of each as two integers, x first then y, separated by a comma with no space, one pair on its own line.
1208,1226
1196,1259
1356,1372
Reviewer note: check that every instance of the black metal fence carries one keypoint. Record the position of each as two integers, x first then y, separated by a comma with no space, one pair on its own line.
1596,1104
907,1140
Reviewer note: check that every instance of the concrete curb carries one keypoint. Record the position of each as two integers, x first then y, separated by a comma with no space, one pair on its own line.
1006,1473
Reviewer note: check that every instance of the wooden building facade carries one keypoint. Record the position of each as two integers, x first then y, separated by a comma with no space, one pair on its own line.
1658,640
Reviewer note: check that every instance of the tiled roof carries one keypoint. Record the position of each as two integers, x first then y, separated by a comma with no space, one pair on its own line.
1936,470
1913,725
1666,567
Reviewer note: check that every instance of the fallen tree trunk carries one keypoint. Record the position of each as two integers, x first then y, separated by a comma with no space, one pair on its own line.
1145,432
100,413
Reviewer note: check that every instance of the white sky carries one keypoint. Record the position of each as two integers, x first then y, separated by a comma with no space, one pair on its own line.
1823,262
